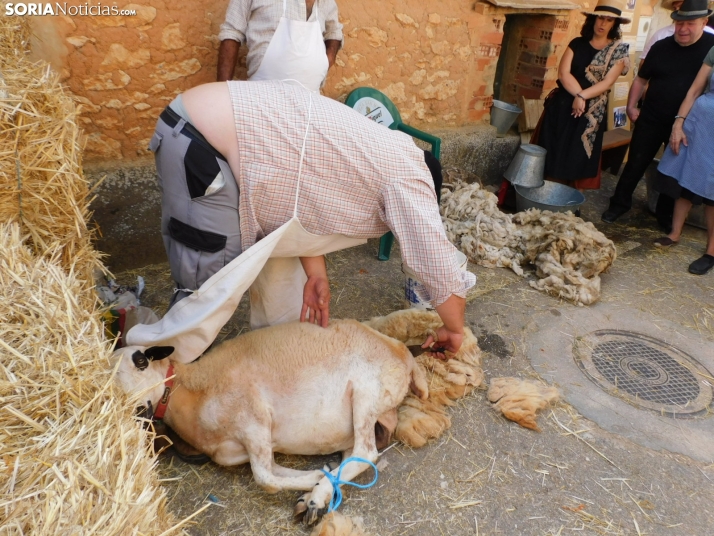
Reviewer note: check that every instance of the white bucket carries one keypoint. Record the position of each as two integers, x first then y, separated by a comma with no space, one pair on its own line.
415,293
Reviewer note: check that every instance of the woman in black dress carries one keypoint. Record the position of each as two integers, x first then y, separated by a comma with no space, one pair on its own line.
573,121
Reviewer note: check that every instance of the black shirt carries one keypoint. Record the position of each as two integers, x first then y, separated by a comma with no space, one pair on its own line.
671,69
583,54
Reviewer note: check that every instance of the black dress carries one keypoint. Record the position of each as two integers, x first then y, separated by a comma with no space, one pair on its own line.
560,132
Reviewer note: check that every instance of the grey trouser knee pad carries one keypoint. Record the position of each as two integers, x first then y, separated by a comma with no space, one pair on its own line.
200,225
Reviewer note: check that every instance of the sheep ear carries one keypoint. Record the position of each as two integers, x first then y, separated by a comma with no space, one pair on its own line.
156,353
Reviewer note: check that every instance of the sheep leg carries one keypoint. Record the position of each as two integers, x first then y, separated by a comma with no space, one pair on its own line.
286,472
364,447
258,443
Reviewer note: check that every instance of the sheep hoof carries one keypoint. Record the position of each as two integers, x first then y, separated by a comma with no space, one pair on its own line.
301,506
313,513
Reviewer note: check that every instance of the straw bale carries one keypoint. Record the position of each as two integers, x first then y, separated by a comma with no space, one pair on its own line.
41,182
72,458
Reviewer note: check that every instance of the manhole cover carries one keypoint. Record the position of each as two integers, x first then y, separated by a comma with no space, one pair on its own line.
645,372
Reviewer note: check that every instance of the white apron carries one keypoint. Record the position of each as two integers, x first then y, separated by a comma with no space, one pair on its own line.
296,52
271,266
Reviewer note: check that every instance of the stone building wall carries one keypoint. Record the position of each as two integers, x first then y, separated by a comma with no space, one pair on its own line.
435,60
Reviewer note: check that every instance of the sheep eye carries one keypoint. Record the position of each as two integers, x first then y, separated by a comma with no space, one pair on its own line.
140,360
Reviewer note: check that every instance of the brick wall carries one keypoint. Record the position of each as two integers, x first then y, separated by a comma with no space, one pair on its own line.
436,60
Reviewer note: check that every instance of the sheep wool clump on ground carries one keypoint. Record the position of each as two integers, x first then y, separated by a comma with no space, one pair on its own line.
336,524
569,254
422,420
519,400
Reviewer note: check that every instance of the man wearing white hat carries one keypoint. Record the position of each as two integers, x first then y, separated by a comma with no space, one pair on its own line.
669,70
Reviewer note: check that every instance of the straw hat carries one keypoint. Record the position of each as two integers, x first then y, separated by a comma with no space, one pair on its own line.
691,10
667,4
609,8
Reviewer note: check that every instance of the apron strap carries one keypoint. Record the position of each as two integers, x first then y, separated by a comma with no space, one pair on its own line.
285,3
302,155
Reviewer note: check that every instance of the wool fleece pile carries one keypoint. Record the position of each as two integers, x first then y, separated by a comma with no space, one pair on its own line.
569,254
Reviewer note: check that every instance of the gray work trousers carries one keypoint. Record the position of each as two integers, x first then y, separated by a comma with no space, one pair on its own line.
200,225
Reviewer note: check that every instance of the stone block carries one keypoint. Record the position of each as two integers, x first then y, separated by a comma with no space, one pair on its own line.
107,81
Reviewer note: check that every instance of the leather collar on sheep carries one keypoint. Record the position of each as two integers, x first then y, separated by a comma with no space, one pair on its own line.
164,402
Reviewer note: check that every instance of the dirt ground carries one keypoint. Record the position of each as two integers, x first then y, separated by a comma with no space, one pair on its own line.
487,475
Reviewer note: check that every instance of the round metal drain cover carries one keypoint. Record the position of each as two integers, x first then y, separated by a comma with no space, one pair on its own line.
645,372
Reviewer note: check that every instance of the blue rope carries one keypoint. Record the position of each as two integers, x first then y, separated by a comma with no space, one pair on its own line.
336,482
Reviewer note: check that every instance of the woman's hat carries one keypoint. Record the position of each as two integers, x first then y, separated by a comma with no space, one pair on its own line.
692,9
667,4
609,8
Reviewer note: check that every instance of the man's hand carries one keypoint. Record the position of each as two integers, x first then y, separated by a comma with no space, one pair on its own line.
316,293
451,334
633,112
447,341
316,301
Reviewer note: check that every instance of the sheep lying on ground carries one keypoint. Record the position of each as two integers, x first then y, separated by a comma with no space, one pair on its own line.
568,253
297,389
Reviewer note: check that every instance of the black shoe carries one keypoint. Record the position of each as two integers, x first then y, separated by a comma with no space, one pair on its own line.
611,214
702,265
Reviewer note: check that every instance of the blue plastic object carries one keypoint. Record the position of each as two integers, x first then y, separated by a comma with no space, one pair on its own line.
336,482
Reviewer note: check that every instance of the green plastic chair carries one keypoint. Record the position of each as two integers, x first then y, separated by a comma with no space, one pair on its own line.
377,106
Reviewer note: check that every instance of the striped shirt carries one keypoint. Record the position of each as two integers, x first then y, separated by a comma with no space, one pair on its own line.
359,179
254,22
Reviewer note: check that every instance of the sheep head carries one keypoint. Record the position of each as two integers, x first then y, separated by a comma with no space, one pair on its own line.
141,372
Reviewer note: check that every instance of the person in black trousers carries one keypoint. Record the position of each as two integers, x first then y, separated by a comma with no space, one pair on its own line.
667,72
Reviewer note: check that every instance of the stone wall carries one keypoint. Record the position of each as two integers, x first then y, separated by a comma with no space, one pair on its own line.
435,60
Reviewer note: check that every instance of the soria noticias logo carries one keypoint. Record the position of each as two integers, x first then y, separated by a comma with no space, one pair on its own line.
57,8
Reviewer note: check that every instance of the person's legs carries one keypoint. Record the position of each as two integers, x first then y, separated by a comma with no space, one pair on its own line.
200,224
681,210
706,262
664,212
646,141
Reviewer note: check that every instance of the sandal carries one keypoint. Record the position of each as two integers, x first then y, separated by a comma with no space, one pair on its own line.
664,242
702,265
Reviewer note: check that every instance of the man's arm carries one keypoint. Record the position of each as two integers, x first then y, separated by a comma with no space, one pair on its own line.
227,59
231,35
451,334
332,46
636,91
